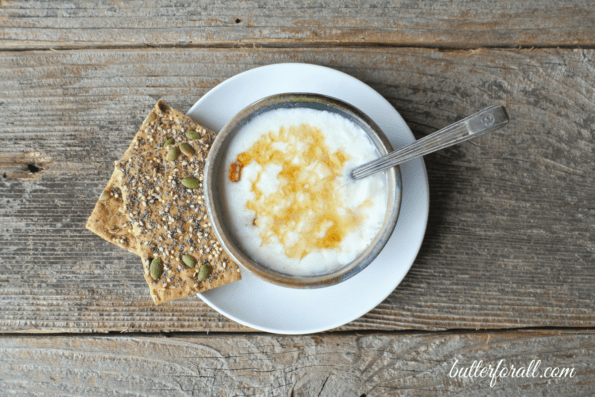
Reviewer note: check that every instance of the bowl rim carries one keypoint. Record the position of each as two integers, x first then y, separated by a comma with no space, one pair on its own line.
218,150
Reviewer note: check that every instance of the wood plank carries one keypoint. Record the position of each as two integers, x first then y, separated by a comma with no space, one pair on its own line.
510,240
329,365
454,24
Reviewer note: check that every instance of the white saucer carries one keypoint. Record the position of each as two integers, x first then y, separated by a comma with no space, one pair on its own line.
267,307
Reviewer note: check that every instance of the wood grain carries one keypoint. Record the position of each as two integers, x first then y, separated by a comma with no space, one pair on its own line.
63,24
510,240
331,365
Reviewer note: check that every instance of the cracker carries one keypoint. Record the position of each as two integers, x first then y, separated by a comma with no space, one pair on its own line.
107,219
170,220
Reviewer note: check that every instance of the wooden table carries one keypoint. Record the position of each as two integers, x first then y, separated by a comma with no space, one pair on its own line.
507,267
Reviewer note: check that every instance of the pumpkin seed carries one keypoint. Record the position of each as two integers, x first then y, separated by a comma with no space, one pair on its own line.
189,261
163,107
168,142
192,135
190,183
156,268
187,149
204,272
150,118
173,154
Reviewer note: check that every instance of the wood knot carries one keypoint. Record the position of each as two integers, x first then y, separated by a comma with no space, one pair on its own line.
28,165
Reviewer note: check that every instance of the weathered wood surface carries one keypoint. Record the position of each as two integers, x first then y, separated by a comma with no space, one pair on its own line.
266,365
447,24
510,240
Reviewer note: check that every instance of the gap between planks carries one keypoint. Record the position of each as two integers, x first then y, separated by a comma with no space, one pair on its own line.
284,44
545,331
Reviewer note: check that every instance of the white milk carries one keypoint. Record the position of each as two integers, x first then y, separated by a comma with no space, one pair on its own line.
306,215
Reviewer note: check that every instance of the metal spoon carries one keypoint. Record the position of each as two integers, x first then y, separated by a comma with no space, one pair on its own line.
480,123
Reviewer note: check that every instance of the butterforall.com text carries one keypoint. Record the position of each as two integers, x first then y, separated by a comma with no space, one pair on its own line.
503,370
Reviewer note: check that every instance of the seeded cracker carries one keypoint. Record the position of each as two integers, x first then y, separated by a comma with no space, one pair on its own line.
164,199
108,219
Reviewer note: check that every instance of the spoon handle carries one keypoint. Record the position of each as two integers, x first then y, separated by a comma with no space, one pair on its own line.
480,123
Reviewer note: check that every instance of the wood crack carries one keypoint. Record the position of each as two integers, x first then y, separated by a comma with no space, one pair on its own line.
324,384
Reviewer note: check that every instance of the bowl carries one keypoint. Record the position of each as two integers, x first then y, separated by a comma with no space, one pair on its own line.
213,196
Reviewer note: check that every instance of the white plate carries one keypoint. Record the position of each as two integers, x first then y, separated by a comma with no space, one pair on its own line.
267,307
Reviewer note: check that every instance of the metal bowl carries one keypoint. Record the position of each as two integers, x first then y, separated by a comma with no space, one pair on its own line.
213,196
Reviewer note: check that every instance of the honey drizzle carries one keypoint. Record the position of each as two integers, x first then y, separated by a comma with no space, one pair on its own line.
306,213
235,171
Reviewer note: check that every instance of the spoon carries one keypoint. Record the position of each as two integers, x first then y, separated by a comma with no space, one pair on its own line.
478,124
